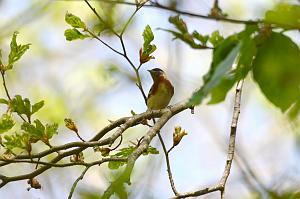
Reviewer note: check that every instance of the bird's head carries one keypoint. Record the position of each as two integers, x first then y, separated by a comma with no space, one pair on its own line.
156,73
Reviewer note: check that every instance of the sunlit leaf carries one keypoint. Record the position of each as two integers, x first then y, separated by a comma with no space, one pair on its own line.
17,141
37,106
148,48
74,21
3,101
284,15
21,106
276,70
125,152
179,23
73,34
215,38
16,51
6,123
38,131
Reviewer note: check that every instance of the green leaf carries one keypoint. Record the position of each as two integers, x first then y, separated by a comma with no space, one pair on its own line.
284,15
17,141
223,58
148,36
148,48
247,53
16,51
3,101
216,38
37,106
218,94
73,34
6,123
125,152
74,21
179,23
244,65
276,70
202,38
21,106
51,130
39,131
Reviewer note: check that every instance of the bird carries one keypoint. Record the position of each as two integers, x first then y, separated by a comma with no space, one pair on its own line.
161,91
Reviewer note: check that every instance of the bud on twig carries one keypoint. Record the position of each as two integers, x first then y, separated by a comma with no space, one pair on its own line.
178,135
34,183
77,157
70,124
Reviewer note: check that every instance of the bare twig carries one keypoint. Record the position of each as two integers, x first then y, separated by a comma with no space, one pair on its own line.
172,183
220,186
155,4
100,18
7,93
76,182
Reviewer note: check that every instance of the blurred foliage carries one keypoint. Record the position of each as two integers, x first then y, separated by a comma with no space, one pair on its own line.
276,70
125,152
284,15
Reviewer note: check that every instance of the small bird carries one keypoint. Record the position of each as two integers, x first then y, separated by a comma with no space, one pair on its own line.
161,91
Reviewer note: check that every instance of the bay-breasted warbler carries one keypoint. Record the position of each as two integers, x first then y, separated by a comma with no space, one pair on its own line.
161,91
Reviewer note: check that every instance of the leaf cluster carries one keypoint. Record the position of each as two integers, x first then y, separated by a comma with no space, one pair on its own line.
125,152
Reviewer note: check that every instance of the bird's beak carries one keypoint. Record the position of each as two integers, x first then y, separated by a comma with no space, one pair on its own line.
149,71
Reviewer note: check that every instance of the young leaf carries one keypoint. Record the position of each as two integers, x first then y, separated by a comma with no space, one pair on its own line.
216,38
17,141
202,38
16,51
284,15
37,106
73,34
6,123
21,106
74,21
39,131
276,70
125,152
3,101
148,36
179,23
148,48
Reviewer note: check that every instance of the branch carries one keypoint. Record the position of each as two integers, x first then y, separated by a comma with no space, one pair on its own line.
125,176
127,123
155,4
172,183
230,154
76,182
7,93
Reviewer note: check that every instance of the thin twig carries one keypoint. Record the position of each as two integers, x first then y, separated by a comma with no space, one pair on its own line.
100,18
7,93
104,43
155,4
168,165
76,182
230,153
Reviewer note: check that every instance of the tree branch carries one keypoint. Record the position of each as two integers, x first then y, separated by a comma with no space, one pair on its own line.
155,4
